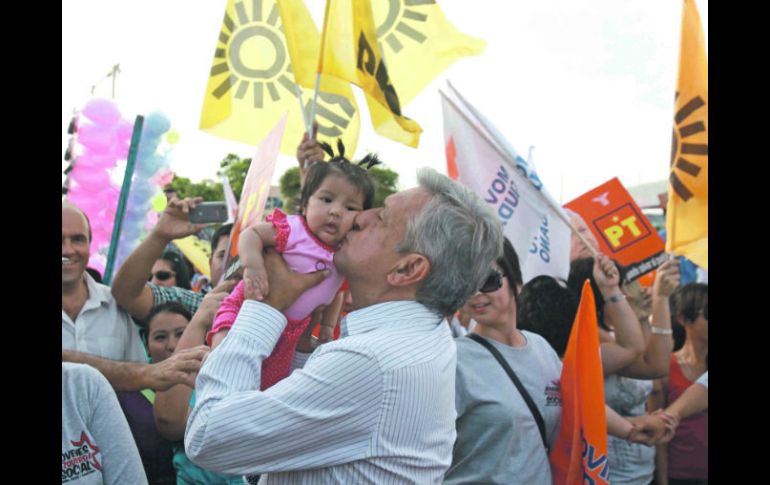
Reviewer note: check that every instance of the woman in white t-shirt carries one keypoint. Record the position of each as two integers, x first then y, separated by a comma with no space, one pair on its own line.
498,439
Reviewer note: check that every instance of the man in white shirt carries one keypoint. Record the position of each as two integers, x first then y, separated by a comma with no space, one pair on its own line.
377,405
97,332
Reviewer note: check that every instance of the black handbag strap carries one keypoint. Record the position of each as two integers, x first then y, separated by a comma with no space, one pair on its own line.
516,382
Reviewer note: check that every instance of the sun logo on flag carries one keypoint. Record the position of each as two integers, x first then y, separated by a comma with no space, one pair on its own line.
395,24
690,139
251,59
334,122
240,56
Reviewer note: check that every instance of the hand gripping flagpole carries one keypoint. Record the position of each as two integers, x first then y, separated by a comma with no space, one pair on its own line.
505,155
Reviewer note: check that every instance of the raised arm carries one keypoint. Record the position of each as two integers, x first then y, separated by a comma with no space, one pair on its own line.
628,343
130,284
171,407
308,152
135,376
654,361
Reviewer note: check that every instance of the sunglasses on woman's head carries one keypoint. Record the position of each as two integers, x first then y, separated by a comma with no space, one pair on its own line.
163,275
493,282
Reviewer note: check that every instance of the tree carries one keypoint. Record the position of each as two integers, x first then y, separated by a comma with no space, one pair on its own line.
385,182
208,189
235,168
290,190
232,165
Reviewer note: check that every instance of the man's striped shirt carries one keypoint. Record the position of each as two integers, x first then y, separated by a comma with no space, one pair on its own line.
376,406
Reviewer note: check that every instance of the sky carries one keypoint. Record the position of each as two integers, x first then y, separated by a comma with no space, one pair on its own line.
589,83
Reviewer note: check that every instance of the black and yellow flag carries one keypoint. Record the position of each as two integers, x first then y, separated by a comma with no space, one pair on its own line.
687,210
350,52
251,84
418,43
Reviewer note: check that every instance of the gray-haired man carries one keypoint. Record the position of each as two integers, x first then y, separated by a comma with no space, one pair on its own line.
377,405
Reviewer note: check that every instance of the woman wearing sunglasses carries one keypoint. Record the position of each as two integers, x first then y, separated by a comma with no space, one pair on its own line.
498,440
507,390
169,270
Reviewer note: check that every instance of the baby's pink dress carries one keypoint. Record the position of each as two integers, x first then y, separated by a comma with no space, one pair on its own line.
304,253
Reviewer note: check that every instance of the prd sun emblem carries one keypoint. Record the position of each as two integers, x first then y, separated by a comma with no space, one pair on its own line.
401,22
689,144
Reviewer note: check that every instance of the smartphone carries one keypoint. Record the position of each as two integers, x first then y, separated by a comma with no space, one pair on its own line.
207,212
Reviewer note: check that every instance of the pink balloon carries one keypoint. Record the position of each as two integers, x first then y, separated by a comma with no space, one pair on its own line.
99,138
78,197
102,223
91,208
109,197
125,130
103,111
95,160
99,240
163,178
90,178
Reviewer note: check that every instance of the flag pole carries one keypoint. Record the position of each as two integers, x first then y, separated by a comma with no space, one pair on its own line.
670,216
123,200
319,68
315,100
302,109
308,124
506,156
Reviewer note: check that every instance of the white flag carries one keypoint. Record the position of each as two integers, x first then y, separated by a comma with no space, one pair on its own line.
232,205
486,163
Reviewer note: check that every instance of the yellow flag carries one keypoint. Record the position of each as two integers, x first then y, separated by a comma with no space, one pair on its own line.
350,52
197,251
303,41
687,209
251,84
418,43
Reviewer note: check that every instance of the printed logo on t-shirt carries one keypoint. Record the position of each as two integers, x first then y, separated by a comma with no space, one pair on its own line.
80,460
553,393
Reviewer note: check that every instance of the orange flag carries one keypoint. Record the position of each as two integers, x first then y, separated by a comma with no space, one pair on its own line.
580,452
687,213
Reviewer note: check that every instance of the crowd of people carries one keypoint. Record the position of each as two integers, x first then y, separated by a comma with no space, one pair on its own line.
445,367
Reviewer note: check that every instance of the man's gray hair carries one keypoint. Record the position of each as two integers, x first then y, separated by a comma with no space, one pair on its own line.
461,237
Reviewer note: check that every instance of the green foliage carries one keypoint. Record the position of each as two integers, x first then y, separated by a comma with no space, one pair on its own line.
385,182
235,168
290,190
208,189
